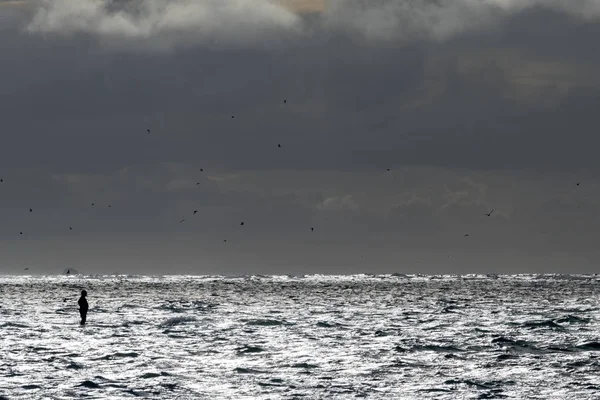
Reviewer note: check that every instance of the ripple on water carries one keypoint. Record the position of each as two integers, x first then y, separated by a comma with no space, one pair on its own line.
246,349
380,337
89,384
265,322
241,370
118,355
177,321
149,375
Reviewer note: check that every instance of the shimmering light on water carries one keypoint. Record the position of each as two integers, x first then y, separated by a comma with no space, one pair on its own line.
313,337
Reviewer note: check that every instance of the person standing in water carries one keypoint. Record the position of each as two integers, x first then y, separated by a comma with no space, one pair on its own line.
83,306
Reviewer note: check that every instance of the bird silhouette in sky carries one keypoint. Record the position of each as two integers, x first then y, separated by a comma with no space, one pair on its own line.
284,101
1,180
148,130
26,269
93,204
31,210
577,183
70,228
195,212
312,229
466,234
490,213
182,220
242,223
20,233
201,170
279,145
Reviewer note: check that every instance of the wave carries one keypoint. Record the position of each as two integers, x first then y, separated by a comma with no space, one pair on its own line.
185,306
246,349
304,365
177,321
429,347
89,384
516,345
322,324
542,324
118,355
241,370
572,319
13,325
149,375
589,346
31,387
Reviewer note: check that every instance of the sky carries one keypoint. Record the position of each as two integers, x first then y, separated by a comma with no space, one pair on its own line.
391,127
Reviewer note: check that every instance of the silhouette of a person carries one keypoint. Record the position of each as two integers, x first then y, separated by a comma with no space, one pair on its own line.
83,306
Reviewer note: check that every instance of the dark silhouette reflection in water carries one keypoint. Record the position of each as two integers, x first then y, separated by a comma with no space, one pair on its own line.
83,307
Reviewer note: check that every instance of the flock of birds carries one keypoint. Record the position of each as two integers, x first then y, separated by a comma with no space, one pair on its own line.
182,220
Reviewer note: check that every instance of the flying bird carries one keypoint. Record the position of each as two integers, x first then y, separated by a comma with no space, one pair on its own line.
197,183
279,145
224,240
578,183
148,130
70,228
242,223
490,213
312,229
109,206
1,180
93,204
26,269
31,210
182,220
195,211
233,116
466,234
284,101
201,170
387,169
20,233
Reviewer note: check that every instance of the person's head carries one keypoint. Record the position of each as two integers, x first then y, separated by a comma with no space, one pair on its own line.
83,293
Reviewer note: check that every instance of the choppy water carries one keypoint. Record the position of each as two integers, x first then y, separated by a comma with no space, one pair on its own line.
313,337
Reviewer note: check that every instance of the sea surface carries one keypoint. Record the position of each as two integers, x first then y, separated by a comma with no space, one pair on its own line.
301,337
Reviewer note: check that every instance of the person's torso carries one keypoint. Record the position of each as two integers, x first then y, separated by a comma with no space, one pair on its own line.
83,303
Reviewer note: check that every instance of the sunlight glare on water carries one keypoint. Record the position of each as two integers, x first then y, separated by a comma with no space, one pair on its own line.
314,337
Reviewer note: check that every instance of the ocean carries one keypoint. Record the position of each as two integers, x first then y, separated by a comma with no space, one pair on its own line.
301,337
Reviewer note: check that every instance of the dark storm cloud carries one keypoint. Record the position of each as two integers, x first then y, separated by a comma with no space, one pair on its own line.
362,103
472,106
355,123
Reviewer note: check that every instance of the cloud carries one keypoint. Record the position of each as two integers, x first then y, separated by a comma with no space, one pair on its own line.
165,23
438,20
217,23
338,203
